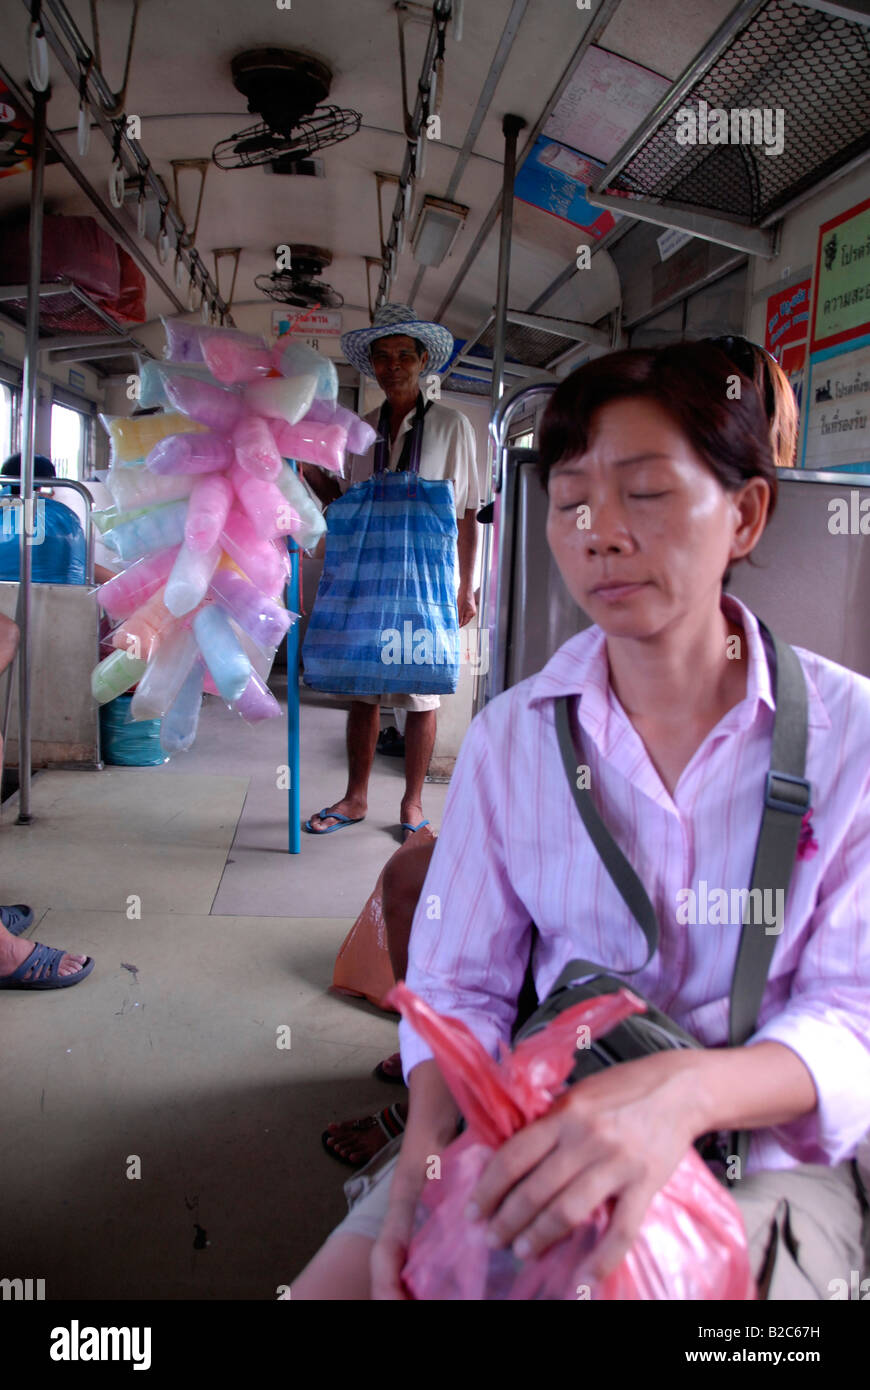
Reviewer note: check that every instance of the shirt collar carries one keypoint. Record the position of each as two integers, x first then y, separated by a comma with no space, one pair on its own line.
580,667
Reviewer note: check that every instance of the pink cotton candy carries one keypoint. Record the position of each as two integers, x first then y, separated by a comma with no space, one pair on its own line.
232,360
264,563
190,453
256,701
210,501
265,504
255,448
214,406
360,434
121,596
312,442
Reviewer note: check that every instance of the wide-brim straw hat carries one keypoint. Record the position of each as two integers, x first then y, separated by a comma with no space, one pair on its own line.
390,320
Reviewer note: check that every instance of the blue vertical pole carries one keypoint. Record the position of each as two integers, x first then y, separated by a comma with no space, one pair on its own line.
292,599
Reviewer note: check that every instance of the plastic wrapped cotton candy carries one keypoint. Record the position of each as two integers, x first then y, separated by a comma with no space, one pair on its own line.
256,701
282,398
154,530
114,675
309,442
222,652
360,434
165,674
233,359
152,380
191,575
265,504
132,437
255,448
297,359
261,617
127,591
138,488
184,340
217,407
191,453
210,502
140,634
259,559
179,724
312,523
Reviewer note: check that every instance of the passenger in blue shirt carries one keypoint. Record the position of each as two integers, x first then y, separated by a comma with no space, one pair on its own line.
57,540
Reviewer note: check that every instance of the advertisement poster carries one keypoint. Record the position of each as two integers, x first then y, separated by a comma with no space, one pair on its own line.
554,178
787,321
842,299
838,411
604,102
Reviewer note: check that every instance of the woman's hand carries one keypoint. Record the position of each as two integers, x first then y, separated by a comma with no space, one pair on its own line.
619,1134
390,1250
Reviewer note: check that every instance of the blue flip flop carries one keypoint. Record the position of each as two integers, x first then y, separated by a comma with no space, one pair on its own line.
342,822
16,919
45,961
413,828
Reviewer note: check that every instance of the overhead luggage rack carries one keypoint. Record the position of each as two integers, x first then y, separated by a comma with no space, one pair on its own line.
793,63
72,326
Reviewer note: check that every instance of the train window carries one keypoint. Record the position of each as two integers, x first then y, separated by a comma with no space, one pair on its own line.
69,441
7,421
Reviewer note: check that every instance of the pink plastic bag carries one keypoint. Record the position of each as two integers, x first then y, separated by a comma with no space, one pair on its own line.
691,1245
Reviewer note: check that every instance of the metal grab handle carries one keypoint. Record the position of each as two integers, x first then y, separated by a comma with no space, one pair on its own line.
504,413
38,69
89,507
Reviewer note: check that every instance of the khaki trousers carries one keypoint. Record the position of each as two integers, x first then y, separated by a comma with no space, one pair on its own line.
804,1227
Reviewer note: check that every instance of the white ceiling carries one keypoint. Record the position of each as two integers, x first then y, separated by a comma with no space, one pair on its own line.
180,86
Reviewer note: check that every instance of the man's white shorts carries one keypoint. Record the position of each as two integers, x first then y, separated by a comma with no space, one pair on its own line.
416,703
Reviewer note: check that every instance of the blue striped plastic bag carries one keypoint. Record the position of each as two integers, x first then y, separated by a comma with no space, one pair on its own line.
385,620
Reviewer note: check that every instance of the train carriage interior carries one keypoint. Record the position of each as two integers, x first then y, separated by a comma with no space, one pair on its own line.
552,182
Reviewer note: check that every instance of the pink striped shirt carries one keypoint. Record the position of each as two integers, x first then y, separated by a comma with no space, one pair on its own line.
513,851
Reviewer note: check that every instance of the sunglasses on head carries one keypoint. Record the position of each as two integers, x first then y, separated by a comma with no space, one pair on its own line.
742,353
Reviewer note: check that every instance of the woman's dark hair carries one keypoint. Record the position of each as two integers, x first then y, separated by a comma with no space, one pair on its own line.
694,383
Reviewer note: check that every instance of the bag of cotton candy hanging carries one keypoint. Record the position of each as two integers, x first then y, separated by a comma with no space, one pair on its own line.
691,1245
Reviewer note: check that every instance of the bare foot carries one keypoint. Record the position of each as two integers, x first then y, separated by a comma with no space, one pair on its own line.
357,1141
350,807
14,952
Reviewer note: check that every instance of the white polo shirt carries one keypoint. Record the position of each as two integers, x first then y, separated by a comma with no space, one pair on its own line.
447,452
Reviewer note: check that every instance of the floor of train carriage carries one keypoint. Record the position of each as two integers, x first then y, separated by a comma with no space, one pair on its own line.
168,1052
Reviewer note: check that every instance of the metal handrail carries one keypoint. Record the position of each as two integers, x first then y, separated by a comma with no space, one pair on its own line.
89,507
501,483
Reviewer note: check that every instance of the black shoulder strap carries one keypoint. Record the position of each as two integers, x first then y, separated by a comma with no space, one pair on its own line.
787,796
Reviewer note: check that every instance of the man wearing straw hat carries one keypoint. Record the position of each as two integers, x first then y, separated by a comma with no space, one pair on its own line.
396,351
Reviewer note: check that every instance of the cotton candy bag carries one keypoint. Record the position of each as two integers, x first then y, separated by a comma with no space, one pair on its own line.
691,1245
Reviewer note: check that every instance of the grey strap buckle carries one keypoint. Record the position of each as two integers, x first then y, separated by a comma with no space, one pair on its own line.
793,797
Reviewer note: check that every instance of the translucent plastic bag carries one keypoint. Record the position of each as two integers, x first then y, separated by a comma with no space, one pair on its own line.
691,1245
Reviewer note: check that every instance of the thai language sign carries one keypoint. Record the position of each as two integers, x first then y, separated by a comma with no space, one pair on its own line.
842,302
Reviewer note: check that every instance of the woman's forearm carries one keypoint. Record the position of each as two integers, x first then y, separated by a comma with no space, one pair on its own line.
746,1087
432,1120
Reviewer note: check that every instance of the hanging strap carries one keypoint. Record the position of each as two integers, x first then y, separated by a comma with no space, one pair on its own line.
409,459
786,800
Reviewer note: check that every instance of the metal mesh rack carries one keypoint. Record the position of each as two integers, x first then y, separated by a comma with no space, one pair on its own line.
812,66
532,346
